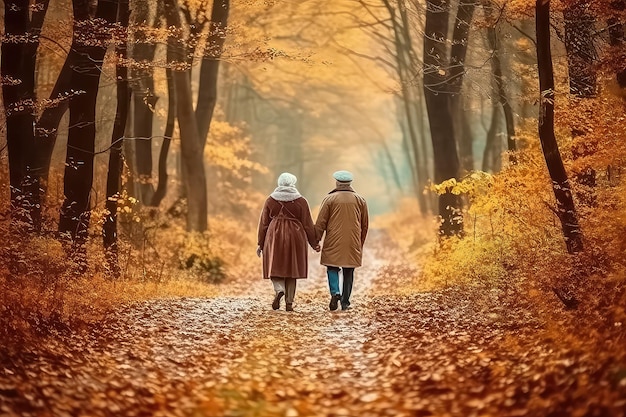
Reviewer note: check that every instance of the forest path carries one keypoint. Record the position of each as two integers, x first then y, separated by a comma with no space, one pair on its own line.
392,355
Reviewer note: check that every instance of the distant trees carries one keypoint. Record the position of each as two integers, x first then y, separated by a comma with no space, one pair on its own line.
405,50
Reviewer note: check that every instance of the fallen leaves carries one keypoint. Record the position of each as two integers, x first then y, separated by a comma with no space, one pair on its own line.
443,353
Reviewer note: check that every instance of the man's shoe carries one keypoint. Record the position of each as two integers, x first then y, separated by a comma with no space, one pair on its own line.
276,302
289,307
334,302
344,308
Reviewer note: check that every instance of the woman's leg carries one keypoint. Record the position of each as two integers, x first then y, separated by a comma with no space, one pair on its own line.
290,294
279,284
279,288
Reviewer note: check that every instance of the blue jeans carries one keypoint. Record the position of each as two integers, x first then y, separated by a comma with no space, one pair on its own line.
333,283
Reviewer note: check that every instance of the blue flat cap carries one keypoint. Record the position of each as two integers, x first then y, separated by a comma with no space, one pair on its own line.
343,176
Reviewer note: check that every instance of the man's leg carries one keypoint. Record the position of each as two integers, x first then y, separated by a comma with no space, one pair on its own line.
333,280
348,280
333,285
290,294
279,289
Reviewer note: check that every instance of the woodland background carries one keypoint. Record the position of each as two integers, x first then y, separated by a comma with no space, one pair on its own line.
140,139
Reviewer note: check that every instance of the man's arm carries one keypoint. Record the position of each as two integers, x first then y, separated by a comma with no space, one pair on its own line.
322,220
364,222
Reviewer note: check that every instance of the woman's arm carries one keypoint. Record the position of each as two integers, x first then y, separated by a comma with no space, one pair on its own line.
264,223
307,222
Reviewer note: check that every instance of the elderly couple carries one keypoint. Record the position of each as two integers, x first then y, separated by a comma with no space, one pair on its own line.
286,225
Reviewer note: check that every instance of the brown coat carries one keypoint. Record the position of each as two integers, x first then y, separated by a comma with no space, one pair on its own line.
343,216
284,229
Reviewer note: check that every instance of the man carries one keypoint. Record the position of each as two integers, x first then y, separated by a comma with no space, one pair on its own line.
343,217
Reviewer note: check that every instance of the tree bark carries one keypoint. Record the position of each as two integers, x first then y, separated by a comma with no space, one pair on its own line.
405,64
144,102
17,67
565,210
580,50
491,154
114,174
161,189
191,151
616,38
582,82
78,179
209,68
458,52
440,118
498,79
465,139
47,128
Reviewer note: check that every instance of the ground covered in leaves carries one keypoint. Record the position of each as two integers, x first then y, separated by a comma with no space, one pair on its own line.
454,352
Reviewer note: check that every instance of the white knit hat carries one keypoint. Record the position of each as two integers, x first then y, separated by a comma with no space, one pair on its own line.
287,180
343,176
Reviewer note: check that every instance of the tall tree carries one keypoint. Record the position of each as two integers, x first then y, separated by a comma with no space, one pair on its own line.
616,38
209,67
581,55
407,65
114,174
500,86
90,38
458,52
565,210
191,148
19,53
442,129
144,98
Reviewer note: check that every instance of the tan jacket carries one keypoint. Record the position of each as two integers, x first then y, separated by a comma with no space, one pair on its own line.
343,216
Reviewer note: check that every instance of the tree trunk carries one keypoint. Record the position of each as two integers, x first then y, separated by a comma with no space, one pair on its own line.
439,113
209,68
78,179
114,174
47,129
580,50
498,79
460,39
582,82
616,38
465,138
17,67
161,189
144,102
191,152
491,154
560,183
404,66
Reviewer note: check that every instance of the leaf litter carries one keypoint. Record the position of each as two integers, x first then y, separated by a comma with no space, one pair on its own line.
451,352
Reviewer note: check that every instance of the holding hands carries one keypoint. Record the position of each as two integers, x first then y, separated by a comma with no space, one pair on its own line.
259,251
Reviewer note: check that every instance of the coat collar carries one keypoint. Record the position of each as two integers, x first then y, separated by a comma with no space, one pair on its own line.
342,187
285,194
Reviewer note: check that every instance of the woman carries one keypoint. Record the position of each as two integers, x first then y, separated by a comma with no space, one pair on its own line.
284,229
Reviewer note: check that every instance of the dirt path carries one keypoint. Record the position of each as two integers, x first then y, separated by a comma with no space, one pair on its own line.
438,354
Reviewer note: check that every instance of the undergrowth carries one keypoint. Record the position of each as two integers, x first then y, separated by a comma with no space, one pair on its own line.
43,291
512,242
